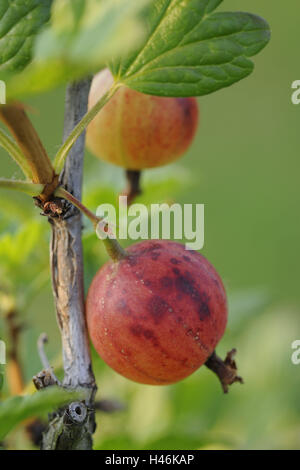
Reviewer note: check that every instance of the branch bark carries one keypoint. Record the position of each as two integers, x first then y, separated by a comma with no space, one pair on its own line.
67,280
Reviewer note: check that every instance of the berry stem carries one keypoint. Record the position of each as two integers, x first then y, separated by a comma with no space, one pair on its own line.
133,185
64,194
225,370
113,248
62,154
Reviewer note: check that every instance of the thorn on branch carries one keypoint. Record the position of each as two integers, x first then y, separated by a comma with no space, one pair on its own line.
225,370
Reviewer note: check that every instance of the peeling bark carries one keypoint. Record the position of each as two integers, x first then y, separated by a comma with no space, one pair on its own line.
67,279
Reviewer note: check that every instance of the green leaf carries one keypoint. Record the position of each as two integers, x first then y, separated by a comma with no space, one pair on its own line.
18,408
23,254
20,21
81,38
190,50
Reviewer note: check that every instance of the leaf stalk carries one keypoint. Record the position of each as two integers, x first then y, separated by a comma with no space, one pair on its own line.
32,189
62,154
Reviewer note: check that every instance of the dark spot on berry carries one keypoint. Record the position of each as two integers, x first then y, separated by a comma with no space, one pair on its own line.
175,261
166,282
186,285
132,260
157,307
176,271
185,107
148,334
204,310
136,330
139,331
122,306
189,276
147,283
149,248
156,246
155,255
186,258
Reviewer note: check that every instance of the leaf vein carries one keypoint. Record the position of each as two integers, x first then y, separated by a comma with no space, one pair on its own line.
192,67
28,12
148,65
151,36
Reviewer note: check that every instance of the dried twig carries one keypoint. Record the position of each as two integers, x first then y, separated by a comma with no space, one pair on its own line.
47,376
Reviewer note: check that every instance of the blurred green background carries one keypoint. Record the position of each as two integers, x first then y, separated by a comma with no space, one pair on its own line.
244,166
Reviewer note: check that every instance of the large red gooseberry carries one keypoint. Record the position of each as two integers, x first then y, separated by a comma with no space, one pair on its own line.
137,131
156,315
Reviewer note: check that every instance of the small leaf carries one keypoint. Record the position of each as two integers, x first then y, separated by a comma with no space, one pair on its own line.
19,23
190,50
18,408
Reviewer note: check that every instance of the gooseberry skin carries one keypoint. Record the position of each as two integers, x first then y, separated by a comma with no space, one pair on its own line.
157,315
138,131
